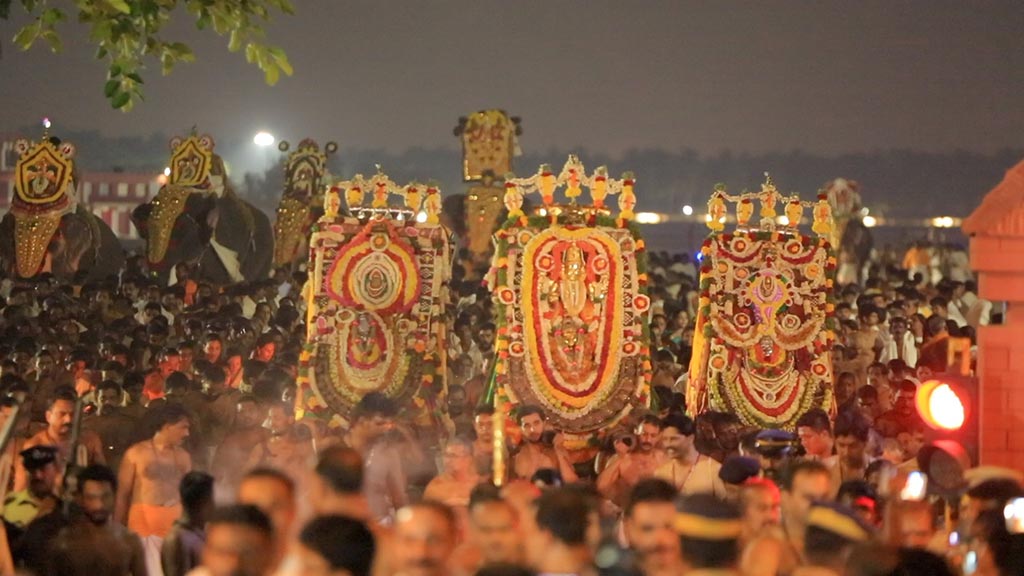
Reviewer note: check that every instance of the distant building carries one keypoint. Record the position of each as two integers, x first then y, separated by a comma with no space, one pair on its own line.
110,195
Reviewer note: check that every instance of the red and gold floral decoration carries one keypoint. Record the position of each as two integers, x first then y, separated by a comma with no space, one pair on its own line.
376,302
44,191
765,324
571,302
305,173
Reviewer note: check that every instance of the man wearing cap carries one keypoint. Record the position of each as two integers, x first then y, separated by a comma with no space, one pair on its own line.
988,488
709,531
832,530
22,507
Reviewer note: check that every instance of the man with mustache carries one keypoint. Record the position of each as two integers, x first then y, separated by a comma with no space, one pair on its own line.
687,469
60,414
20,508
630,465
94,545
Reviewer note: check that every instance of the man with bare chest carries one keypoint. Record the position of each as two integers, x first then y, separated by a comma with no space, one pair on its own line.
148,501
59,416
534,454
288,448
628,467
228,464
93,545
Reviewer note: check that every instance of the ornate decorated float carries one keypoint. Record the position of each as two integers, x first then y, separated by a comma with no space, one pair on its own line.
764,327
488,145
305,172
569,285
376,301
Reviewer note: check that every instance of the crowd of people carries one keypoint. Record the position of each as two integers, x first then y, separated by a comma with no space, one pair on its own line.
152,430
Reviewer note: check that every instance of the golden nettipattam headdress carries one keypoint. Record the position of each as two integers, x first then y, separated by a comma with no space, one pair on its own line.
306,161
768,197
191,160
488,143
43,173
573,178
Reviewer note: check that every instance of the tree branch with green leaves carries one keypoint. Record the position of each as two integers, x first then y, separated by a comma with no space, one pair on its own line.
128,33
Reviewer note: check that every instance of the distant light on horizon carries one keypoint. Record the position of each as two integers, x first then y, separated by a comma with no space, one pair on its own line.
263,139
647,218
870,222
687,210
944,222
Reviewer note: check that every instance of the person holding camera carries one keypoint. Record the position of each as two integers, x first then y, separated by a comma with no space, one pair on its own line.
635,459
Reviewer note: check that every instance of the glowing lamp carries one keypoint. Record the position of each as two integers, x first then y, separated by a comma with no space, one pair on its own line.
687,210
942,405
263,139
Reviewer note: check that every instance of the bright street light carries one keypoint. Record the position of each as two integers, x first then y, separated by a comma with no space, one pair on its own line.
687,210
263,139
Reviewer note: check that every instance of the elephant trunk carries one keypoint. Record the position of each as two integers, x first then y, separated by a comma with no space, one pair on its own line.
290,231
32,237
167,206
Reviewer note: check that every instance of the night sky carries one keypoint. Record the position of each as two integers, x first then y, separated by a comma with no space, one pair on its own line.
825,77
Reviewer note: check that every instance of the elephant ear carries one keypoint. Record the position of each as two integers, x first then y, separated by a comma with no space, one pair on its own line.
203,208
140,218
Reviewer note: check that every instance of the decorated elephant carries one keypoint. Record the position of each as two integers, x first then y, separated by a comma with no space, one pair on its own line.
851,238
197,219
46,231
301,204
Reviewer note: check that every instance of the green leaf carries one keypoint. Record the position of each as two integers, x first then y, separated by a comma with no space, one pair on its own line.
26,36
101,53
122,7
134,76
166,63
5,9
281,59
110,88
235,41
115,70
120,100
271,75
51,16
52,39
